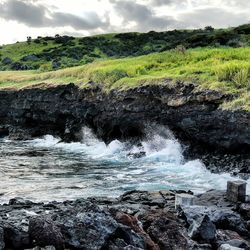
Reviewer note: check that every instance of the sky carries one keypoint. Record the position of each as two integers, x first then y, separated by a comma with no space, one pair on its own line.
22,18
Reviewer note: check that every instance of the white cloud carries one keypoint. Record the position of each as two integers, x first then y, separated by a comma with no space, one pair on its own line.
22,18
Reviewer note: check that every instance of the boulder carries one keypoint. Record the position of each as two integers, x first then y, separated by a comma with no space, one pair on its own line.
132,222
223,218
223,236
44,232
88,230
244,210
165,231
15,237
202,229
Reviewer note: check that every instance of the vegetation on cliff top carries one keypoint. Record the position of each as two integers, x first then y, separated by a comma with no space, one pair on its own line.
224,69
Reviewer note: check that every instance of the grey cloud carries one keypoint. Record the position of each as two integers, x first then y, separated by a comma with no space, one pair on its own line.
36,15
29,14
167,2
90,21
216,17
144,17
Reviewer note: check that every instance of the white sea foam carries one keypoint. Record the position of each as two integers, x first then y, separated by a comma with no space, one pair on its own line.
163,165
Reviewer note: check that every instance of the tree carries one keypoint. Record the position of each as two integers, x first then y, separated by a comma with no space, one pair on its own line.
209,28
29,39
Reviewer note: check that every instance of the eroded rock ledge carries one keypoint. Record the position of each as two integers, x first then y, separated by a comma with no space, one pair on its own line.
194,116
137,220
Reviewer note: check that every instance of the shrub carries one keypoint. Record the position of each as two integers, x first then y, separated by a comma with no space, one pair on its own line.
115,75
141,70
233,73
181,49
227,72
108,77
37,41
45,67
241,78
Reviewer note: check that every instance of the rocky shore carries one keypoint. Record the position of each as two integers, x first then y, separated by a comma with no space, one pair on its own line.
220,137
136,220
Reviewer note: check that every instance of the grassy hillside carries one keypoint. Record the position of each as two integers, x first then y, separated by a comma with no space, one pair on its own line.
51,53
224,69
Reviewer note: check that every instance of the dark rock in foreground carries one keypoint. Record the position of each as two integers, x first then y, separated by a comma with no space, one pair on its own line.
136,220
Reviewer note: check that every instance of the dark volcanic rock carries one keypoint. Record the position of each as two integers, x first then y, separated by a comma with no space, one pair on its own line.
15,237
202,229
43,232
2,245
134,221
223,218
165,230
244,210
195,117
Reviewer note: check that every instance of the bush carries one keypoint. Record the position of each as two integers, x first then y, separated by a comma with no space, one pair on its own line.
226,72
233,73
45,67
181,49
241,78
108,77
37,41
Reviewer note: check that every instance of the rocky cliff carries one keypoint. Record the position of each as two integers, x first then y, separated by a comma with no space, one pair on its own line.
194,116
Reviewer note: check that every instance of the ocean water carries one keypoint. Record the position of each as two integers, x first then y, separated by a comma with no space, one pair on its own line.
46,169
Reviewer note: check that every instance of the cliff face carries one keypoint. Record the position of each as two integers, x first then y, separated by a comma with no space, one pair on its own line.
193,116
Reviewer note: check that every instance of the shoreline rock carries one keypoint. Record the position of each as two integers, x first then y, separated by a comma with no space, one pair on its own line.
135,220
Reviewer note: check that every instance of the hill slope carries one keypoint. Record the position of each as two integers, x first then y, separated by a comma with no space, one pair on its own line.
48,53
223,69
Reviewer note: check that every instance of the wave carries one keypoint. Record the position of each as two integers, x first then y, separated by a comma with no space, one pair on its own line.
155,163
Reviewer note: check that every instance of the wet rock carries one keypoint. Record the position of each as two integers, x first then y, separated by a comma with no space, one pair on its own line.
238,243
87,228
44,232
132,222
232,238
248,225
2,245
43,248
165,230
20,201
137,155
228,247
136,220
15,238
202,229
127,235
195,246
244,210
223,218
227,235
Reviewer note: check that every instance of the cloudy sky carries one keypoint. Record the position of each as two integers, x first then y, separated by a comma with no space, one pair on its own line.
22,18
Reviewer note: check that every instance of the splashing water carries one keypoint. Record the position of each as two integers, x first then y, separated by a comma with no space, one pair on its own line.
47,169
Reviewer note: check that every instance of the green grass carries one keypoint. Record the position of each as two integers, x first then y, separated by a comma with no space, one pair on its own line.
223,69
19,50
52,53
